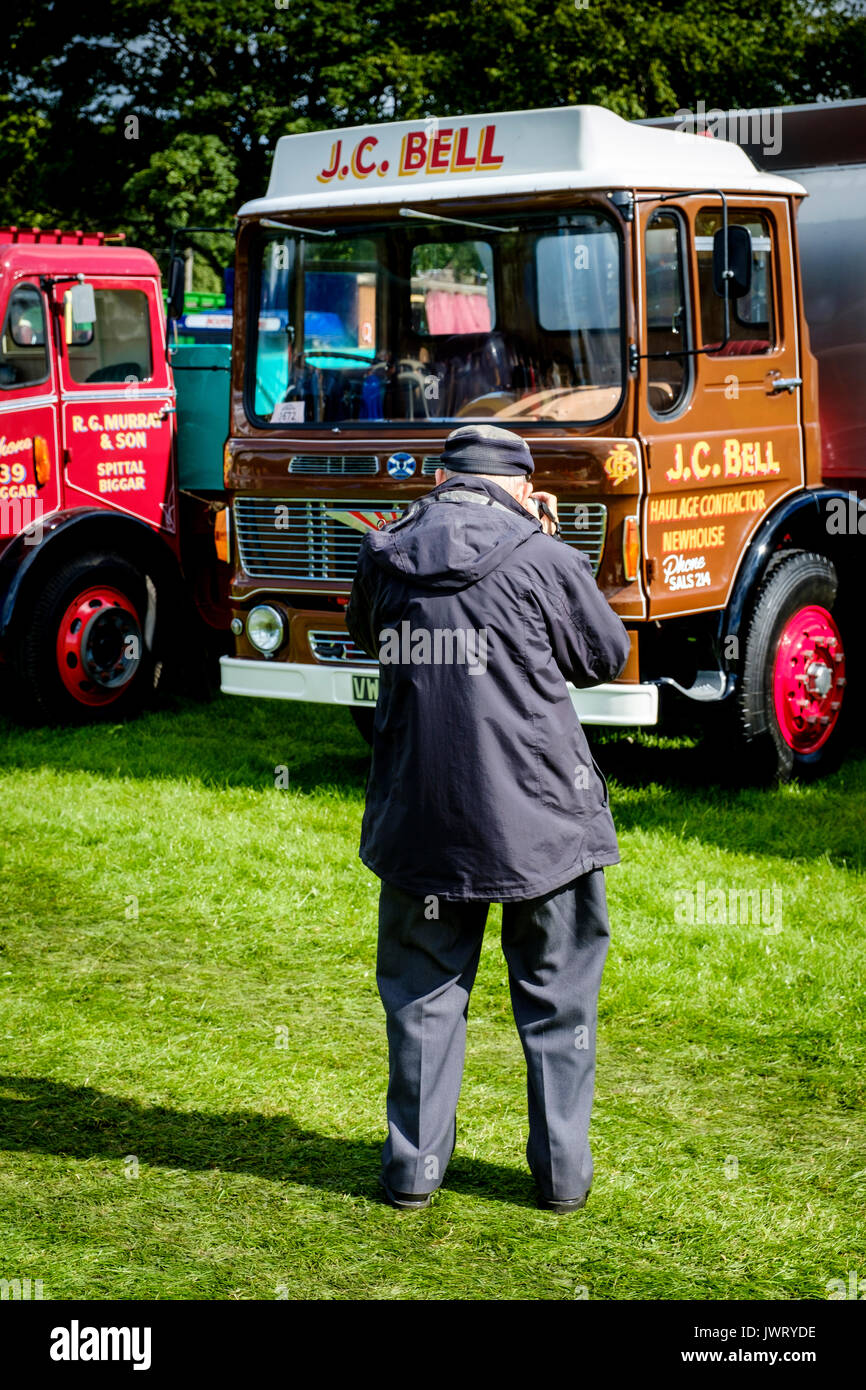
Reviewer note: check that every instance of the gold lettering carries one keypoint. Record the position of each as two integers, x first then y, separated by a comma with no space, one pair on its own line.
700,471
674,474
733,462
773,465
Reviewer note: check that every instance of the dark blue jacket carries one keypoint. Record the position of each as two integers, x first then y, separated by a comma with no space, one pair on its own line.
481,783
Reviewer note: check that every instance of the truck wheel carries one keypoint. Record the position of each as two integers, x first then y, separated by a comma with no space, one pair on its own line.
363,716
791,703
83,653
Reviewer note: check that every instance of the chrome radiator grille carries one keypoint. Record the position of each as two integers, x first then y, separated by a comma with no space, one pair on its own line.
584,525
317,538
326,644
290,538
331,465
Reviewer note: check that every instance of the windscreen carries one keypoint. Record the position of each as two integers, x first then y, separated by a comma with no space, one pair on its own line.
435,322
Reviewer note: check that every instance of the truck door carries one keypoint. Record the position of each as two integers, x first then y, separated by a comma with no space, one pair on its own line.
117,402
723,442
29,436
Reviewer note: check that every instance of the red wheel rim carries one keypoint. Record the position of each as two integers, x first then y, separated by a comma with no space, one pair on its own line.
98,646
809,679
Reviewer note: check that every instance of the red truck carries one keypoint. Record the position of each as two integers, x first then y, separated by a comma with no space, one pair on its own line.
112,545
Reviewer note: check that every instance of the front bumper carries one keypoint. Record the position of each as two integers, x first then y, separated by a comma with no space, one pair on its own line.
625,703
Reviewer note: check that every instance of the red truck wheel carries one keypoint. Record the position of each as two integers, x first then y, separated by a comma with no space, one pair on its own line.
83,652
792,697
99,646
809,679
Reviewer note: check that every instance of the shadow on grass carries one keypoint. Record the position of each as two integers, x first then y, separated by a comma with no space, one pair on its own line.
687,787
696,761
229,742
691,791
39,1115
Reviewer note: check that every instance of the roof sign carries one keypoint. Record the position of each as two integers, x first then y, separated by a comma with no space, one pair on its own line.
508,152
444,149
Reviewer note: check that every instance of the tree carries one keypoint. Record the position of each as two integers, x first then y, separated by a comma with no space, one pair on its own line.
109,108
191,183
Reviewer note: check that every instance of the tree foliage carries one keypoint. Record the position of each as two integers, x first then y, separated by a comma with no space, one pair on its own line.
144,112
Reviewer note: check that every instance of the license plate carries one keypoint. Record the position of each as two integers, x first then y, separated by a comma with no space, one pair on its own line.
365,690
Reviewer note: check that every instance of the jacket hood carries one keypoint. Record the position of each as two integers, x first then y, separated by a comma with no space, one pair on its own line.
448,540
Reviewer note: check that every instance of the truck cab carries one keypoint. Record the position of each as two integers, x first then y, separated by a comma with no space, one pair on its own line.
624,297
94,556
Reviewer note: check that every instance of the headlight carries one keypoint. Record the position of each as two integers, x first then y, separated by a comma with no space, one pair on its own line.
265,628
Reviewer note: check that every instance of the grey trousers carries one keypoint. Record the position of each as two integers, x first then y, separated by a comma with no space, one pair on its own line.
555,947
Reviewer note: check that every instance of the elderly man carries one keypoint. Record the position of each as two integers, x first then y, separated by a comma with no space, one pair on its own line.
482,789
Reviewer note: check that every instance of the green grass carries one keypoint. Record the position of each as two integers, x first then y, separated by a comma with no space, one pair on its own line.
193,1048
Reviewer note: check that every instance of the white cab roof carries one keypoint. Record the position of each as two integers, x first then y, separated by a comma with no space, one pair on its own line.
564,147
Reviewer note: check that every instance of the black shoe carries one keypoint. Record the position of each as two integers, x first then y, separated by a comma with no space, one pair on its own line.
412,1201
562,1208
406,1201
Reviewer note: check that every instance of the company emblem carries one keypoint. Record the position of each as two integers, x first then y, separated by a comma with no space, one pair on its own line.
401,465
620,464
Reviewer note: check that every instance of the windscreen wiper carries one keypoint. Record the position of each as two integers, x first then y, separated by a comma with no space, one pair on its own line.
455,221
288,227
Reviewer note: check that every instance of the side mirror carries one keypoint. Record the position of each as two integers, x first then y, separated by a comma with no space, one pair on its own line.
739,262
176,277
83,304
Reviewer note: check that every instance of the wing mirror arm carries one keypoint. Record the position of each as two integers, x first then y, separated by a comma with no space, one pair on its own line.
729,281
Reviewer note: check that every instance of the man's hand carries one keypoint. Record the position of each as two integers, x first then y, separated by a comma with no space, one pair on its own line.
550,527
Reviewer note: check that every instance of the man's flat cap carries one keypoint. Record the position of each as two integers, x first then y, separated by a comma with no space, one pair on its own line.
486,449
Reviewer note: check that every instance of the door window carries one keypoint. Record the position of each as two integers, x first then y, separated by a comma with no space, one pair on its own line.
753,329
667,317
116,347
24,344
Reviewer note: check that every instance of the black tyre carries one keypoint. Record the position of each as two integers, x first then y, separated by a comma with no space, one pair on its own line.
792,703
84,648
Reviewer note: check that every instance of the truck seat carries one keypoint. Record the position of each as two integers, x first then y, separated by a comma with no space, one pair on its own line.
661,396
740,347
118,371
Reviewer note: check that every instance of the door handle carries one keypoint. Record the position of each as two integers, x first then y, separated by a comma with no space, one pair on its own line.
784,383
166,411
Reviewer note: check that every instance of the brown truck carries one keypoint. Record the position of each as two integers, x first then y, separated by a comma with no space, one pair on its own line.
650,309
